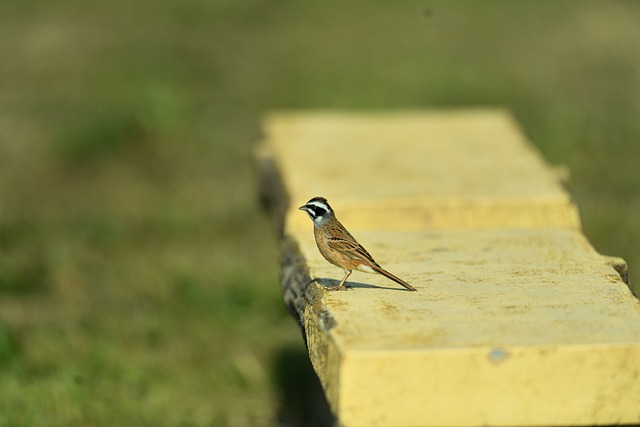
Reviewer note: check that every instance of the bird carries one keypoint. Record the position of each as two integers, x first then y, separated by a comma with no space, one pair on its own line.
338,246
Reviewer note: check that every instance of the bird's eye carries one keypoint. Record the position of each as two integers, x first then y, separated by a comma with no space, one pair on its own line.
315,211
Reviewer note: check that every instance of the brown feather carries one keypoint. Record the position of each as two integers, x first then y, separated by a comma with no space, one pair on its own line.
353,250
396,279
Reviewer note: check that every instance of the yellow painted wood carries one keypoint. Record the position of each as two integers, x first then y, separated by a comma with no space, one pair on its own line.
508,327
517,319
418,170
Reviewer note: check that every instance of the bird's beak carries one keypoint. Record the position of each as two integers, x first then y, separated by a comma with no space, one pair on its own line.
303,208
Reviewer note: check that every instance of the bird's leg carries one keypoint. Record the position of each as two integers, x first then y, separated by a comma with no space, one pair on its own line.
347,274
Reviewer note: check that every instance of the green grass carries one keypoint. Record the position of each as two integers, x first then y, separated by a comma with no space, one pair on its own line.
138,278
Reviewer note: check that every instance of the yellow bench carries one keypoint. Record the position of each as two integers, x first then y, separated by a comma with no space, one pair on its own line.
517,319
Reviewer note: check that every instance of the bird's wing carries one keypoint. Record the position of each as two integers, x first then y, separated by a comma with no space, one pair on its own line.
350,248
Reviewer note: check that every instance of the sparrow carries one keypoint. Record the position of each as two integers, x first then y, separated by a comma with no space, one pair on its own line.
338,246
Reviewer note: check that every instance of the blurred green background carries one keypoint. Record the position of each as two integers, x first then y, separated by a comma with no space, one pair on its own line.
138,277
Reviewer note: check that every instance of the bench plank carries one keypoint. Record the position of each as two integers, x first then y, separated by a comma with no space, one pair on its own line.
517,319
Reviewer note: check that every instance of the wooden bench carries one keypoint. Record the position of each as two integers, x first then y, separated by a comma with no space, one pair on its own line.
517,319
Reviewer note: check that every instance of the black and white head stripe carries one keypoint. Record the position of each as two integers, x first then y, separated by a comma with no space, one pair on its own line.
317,207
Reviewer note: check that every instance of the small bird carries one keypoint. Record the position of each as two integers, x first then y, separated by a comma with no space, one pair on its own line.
338,246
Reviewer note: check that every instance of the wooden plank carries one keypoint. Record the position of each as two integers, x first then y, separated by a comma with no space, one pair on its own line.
467,169
517,321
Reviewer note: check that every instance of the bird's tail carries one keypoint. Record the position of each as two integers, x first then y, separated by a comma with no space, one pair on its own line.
398,280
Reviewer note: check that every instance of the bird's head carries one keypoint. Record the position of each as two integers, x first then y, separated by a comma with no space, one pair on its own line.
318,210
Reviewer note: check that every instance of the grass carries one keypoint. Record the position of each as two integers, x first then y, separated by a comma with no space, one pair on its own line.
138,278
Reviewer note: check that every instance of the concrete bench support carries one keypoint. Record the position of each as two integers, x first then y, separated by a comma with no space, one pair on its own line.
517,319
